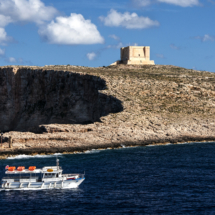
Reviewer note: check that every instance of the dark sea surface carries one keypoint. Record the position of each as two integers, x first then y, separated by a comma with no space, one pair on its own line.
171,179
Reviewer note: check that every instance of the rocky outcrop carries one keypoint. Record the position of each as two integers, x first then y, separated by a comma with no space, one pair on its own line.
31,97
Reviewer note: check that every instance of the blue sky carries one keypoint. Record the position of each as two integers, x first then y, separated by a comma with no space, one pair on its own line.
91,32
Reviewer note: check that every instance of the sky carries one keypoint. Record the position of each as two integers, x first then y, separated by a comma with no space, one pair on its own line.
91,32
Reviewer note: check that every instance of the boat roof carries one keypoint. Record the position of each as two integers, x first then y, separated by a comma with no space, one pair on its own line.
46,169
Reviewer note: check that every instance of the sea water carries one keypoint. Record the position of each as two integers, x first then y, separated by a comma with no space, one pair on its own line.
172,179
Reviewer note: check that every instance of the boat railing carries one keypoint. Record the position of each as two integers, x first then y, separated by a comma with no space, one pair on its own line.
21,177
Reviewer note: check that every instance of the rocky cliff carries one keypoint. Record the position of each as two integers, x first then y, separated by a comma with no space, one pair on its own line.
31,97
126,105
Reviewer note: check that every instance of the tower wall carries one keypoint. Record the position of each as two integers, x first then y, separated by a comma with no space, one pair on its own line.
137,55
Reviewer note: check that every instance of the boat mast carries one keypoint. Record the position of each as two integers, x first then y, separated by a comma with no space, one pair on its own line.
57,163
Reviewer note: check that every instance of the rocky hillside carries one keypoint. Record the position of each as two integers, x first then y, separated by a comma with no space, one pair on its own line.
134,104
166,91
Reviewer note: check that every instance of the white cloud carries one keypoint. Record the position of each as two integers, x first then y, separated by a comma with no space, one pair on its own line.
182,3
211,1
4,20
127,20
113,36
91,56
160,56
64,30
3,37
71,30
13,11
142,3
12,60
26,11
2,52
118,46
173,46
205,38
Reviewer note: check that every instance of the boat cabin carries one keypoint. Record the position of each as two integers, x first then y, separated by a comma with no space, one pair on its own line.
32,174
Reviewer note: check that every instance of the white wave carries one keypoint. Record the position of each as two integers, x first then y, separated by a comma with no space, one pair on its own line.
90,151
33,156
182,143
191,143
127,147
168,144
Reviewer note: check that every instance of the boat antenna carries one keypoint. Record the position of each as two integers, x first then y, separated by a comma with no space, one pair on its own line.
57,163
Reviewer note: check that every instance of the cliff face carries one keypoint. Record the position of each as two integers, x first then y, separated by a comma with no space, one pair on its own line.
161,104
31,97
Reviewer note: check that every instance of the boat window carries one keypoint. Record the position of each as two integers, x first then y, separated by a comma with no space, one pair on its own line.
49,175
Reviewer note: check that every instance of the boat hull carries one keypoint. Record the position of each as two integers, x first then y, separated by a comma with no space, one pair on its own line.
67,184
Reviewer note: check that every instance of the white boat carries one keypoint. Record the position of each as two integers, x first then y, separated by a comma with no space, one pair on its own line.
49,177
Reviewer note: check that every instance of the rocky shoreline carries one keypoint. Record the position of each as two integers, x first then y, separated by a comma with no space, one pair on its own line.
66,146
114,106
4,154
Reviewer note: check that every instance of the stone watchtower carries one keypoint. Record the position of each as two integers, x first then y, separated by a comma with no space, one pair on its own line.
135,55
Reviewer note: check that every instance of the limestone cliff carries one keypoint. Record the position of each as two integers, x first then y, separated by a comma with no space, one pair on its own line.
31,97
129,105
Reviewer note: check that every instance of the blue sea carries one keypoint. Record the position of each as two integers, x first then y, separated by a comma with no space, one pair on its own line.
171,179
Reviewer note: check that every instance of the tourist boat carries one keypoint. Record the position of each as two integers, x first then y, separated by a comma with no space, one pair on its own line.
49,177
